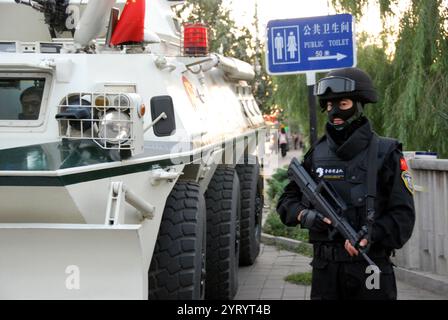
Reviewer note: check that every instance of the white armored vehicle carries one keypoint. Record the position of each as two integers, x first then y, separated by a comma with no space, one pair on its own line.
129,156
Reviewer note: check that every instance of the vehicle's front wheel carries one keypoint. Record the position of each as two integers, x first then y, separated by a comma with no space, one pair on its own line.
177,269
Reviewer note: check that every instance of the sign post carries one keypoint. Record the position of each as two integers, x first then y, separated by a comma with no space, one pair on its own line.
310,45
310,82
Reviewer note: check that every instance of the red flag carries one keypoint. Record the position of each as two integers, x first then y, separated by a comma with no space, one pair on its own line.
130,27
403,165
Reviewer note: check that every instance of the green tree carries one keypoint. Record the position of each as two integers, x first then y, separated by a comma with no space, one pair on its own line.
375,62
263,85
225,37
413,86
291,95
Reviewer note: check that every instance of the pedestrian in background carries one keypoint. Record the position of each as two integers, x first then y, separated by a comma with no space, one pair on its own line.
295,138
283,142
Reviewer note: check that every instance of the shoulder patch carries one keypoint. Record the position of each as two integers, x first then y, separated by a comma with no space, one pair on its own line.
408,182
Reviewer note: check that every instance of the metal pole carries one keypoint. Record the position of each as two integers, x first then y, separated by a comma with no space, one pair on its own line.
310,82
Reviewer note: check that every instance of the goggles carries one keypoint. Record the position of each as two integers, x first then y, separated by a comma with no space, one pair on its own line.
335,84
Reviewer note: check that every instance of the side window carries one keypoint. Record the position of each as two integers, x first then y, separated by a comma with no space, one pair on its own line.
21,98
167,126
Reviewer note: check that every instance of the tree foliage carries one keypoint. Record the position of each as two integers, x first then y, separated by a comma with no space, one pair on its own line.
291,95
414,85
357,7
224,35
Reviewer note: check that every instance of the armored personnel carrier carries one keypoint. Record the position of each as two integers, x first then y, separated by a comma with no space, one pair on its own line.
129,155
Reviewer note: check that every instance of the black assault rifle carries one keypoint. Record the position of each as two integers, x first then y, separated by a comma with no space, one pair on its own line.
327,201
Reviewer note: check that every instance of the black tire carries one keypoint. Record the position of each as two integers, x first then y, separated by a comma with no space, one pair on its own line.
223,206
251,184
177,270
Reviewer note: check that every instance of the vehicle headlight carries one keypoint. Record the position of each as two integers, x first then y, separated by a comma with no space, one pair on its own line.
115,127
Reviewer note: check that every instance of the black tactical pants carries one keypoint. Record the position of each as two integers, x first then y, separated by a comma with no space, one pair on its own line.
339,277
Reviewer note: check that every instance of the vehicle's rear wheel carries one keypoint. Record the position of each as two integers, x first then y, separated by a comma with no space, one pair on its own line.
251,185
177,269
223,207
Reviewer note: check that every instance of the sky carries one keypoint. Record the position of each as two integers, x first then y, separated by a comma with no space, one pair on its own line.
243,13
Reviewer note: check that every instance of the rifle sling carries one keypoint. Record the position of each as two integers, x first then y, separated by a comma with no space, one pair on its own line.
372,172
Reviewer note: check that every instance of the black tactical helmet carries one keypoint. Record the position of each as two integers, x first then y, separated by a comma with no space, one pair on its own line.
352,83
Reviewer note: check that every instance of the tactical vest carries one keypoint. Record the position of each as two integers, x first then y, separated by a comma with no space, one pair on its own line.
348,179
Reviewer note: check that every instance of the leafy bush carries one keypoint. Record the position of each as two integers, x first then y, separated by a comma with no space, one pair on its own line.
275,227
273,224
276,184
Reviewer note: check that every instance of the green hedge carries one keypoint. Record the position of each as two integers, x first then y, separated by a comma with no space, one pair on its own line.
273,224
276,184
275,227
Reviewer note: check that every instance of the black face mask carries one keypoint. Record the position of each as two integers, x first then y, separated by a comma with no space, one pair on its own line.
347,115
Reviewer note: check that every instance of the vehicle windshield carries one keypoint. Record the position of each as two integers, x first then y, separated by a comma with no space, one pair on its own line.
21,98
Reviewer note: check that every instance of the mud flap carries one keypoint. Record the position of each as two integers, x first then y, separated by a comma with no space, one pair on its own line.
71,261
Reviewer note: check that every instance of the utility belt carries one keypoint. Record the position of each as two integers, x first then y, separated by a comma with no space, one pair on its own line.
336,252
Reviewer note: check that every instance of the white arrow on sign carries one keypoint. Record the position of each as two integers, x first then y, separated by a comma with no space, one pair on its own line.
338,56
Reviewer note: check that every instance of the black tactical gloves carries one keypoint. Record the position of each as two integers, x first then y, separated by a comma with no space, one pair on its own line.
313,220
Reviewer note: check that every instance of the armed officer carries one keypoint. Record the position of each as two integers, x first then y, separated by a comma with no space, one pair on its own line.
380,202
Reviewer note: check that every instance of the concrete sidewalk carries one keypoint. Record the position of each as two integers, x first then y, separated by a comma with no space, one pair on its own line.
264,279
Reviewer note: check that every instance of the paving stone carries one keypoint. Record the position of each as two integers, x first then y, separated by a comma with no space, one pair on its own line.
264,279
271,293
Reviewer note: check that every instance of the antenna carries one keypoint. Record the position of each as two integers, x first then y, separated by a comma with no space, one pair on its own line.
113,20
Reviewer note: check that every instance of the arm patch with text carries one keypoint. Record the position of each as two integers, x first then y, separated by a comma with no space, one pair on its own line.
408,182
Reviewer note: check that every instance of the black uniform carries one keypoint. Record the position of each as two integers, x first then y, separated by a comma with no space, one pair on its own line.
342,162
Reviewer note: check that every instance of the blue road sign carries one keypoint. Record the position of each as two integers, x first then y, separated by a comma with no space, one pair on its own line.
310,44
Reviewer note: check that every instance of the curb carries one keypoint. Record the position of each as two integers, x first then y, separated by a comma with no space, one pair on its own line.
289,244
423,280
